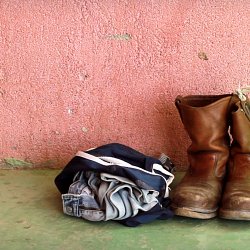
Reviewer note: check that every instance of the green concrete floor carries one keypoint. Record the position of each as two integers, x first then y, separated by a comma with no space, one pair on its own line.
31,218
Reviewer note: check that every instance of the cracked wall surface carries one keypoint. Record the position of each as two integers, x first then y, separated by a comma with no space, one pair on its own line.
79,74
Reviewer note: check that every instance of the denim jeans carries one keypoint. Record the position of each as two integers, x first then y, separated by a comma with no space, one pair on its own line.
119,197
80,201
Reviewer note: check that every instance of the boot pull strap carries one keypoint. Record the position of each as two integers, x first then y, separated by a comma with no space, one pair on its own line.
244,100
177,102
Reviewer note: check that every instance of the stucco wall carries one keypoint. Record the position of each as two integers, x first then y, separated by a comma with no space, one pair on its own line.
79,74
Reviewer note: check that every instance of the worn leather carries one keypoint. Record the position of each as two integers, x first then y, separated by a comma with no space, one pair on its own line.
206,120
236,198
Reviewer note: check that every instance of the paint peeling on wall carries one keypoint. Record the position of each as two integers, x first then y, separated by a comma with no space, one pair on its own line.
202,56
13,162
47,164
9,163
125,37
84,130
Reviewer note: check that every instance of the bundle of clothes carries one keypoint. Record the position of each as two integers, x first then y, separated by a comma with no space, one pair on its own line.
116,182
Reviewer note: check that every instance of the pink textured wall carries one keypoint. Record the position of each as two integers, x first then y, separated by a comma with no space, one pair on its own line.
78,74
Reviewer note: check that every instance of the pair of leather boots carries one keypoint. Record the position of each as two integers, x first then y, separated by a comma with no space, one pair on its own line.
218,179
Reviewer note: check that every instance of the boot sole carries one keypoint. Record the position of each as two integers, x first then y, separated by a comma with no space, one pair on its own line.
234,215
187,212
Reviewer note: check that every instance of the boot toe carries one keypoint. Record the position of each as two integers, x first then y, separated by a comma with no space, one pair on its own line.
237,201
199,198
236,205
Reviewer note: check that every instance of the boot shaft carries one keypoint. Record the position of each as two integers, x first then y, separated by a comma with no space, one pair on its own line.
206,120
240,130
239,163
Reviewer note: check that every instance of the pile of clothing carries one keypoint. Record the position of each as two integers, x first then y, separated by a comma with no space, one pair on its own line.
116,182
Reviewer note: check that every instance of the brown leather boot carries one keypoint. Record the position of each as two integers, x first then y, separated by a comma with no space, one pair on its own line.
236,198
205,119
